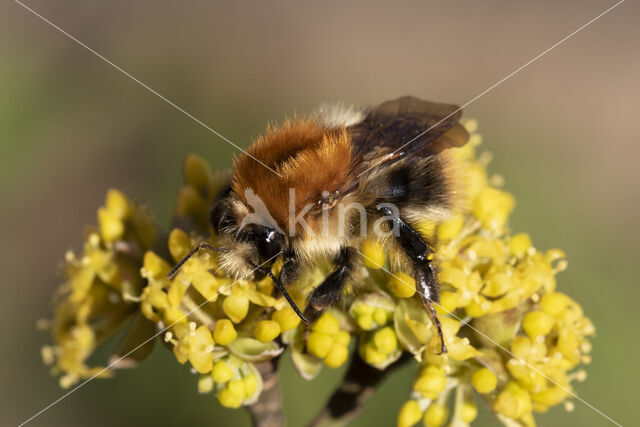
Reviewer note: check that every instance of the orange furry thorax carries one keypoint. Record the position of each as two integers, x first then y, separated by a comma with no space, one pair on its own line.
309,157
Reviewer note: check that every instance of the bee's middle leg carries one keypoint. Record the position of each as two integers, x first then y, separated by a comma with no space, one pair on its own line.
331,289
421,255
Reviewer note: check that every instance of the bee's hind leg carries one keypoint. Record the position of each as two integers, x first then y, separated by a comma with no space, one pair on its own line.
331,289
421,255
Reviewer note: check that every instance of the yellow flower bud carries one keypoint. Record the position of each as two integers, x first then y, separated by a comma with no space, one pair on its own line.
537,323
519,244
365,321
250,383
554,303
327,324
229,399
286,318
343,338
493,206
224,332
507,404
319,344
468,412
221,372
435,415
337,356
205,384
374,255
190,202
385,340
266,330
117,204
236,307
513,401
371,355
361,309
196,171
498,285
236,387
568,343
410,413
111,227
402,285
484,380
380,316
179,244
431,382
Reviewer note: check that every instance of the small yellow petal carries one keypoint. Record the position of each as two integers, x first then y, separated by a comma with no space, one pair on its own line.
236,307
224,332
111,227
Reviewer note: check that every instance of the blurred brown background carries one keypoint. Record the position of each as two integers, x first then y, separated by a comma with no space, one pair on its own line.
562,131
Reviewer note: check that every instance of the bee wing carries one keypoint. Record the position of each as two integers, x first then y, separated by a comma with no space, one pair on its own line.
404,126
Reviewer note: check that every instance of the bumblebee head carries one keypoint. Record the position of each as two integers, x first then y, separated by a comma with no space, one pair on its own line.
252,239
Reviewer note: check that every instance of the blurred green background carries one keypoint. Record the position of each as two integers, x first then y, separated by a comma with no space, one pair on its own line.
562,132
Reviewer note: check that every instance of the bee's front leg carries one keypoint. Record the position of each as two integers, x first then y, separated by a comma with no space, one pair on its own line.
421,255
331,289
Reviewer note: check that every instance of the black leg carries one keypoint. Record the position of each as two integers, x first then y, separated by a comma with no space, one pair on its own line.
284,292
421,255
201,246
330,290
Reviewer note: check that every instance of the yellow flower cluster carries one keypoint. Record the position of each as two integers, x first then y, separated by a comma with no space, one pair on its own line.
236,382
511,336
217,325
328,342
100,289
373,313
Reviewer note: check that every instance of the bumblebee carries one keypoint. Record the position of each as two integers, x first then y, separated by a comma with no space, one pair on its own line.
331,180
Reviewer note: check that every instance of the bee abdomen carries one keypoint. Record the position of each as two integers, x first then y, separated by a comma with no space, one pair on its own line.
416,182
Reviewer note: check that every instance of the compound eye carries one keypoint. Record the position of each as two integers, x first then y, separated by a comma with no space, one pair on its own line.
268,246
